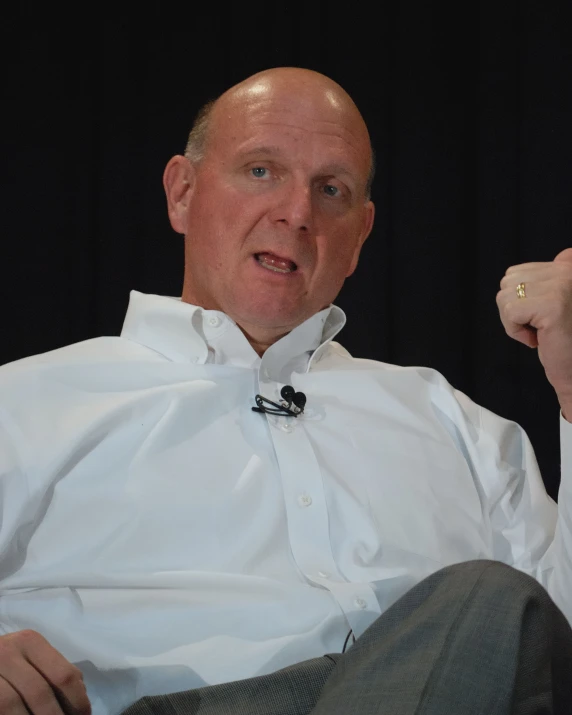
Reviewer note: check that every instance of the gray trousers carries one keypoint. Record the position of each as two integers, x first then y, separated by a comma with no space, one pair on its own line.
477,638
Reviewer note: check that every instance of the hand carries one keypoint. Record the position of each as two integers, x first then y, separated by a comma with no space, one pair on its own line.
543,319
37,680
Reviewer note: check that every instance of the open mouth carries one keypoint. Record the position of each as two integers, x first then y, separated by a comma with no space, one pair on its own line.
275,263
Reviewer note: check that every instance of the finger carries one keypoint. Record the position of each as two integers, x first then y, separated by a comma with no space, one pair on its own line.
557,270
65,679
23,691
535,291
529,266
511,280
66,683
10,701
525,335
521,318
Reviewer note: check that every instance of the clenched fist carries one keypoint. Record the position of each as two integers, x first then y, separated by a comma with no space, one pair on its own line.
37,680
541,317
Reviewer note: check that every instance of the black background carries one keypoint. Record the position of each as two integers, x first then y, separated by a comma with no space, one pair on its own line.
469,108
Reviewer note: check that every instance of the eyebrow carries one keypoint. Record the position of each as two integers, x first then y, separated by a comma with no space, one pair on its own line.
275,151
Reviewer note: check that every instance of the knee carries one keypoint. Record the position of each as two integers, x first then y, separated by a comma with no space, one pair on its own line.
498,574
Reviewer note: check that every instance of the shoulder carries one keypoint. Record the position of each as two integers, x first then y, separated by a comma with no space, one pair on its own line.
42,373
416,383
102,349
95,350
425,389
336,357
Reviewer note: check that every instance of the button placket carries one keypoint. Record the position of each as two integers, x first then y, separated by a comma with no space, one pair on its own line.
306,508
358,602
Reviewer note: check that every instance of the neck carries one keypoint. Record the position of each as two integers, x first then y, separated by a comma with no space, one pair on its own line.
259,337
261,340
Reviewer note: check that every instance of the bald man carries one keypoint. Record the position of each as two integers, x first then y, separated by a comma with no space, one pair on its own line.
276,209
222,511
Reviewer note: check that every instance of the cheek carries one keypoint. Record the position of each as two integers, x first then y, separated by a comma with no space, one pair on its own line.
223,221
336,256
206,236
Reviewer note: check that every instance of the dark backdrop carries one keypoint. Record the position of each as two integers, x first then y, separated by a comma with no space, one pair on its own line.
469,107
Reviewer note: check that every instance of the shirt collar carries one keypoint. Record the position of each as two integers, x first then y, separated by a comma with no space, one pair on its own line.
183,332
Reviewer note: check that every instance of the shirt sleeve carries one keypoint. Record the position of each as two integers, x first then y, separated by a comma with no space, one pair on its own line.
16,518
529,531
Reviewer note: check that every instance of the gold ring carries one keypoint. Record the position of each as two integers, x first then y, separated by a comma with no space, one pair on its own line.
521,293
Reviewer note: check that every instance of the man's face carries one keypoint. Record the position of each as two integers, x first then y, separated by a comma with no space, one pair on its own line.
276,211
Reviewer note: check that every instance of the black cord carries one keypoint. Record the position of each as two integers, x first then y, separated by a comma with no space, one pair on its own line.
347,639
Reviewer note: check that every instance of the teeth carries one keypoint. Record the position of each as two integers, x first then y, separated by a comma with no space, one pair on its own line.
273,268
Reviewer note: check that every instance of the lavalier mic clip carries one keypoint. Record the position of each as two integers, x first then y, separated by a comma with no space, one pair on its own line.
285,408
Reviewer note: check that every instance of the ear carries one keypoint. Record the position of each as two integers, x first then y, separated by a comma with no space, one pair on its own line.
179,182
369,215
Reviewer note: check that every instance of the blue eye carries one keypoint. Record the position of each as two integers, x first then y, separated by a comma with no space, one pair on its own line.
330,190
259,172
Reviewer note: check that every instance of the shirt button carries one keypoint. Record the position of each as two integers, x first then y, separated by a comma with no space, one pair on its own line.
286,427
214,321
304,500
360,603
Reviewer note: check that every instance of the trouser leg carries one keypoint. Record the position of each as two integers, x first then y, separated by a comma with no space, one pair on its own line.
290,691
478,638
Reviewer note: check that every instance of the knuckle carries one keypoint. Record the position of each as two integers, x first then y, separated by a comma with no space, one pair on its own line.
28,634
67,676
13,643
25,637
510,310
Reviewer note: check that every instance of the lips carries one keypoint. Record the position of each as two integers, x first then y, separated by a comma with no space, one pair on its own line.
273,262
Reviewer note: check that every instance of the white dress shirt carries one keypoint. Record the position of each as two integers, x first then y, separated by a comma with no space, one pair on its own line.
162,536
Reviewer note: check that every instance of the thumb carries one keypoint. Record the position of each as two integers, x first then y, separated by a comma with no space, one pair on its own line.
565,255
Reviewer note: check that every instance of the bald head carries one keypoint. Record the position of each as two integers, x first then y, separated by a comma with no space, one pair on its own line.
312,94
294,84
272,198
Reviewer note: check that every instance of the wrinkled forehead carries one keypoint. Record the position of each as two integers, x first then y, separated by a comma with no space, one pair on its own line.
270,113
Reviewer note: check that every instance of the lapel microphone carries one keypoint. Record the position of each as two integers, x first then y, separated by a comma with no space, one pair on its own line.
285,408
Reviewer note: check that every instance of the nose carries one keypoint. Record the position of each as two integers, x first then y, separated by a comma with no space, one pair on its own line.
294,207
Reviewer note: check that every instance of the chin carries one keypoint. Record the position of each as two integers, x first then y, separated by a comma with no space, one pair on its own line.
269,317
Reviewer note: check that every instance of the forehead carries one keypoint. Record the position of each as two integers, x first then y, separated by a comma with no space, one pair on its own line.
307,126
